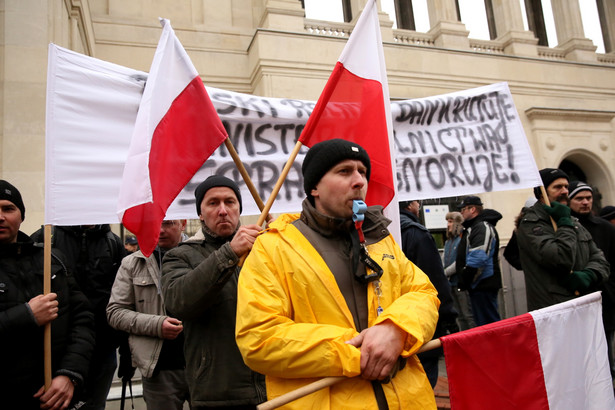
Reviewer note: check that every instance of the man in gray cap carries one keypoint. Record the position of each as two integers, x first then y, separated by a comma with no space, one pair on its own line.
559,258
581,197
322,295
199,285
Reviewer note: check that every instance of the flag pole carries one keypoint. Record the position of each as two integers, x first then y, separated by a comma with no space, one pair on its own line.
47,290
325,382
244,173
274,193
547,203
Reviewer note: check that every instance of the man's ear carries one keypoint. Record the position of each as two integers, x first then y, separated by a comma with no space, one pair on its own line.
314,192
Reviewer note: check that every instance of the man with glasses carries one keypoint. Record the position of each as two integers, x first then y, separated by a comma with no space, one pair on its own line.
478,263
137,307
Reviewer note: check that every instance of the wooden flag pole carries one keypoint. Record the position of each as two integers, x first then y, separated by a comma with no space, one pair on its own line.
244,174
276,189
547,203
47,290
325,382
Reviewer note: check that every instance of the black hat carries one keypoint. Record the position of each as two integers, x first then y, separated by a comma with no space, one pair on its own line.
325,155
10,193
577,186
548,175
212,182
608,212
470,200
131,240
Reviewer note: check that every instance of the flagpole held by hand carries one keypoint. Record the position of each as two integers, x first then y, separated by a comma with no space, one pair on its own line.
325,382
244,173
276,189
547,203
47,290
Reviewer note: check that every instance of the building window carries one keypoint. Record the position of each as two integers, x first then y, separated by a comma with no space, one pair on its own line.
408,14
474,15
326,10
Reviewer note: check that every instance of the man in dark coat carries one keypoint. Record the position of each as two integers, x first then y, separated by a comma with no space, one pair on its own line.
581,200
24,312
478,261
420,248
560,260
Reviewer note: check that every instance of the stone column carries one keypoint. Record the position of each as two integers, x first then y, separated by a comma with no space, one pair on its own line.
509,28
569,28
448,32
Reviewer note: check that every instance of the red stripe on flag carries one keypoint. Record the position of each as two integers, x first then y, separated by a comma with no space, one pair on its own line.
496,366
186,136
352,108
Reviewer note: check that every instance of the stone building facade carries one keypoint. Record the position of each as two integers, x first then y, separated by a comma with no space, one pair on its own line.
565,95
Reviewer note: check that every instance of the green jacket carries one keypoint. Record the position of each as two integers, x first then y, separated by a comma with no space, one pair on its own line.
199,284
549,256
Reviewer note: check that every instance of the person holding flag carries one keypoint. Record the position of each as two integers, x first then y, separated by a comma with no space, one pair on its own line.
24,312
560,261
322,296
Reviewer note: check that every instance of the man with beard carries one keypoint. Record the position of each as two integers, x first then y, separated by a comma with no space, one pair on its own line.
603,233
559,258
199,286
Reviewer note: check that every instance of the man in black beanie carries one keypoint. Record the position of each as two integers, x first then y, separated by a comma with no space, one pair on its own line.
559,262
199,285
24,312
581,197
320,295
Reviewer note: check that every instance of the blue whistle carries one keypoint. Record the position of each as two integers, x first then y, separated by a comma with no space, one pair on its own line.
358,209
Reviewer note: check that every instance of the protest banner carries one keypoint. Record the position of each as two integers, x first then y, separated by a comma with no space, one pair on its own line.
455,144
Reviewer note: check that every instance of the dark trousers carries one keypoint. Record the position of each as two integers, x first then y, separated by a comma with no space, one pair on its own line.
484,306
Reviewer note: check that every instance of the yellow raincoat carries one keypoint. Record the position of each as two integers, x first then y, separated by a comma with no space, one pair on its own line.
293,322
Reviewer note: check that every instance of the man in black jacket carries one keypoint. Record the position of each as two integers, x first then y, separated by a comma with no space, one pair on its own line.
580,196
478,261
420,247
24,312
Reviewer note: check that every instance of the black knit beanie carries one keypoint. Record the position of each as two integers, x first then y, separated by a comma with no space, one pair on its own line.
549,175
10,193
212,182
577,186
325,155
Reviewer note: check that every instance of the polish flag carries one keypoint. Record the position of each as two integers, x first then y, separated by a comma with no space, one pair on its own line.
176,130
355,106
552,358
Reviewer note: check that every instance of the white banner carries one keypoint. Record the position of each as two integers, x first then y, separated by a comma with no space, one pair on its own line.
455,144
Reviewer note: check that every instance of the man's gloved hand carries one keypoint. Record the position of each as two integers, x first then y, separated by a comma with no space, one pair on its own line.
580,280
560,213
125,371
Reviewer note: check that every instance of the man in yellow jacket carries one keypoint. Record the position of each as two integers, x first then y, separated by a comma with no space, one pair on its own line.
312,303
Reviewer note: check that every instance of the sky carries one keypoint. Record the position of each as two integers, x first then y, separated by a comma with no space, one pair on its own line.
472,14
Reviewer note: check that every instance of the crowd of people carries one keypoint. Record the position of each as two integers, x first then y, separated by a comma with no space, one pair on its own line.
324,292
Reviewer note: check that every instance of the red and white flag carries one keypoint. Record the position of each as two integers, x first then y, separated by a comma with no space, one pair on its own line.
355,105
552,358
176,130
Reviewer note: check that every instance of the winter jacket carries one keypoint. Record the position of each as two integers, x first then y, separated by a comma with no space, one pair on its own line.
293,321
450,259
199,285
548,256
93,255
603,234
136,307
420,248
478,261
21,339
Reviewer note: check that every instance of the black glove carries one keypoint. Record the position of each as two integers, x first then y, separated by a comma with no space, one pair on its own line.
560,213
467,277
580,280
125,371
